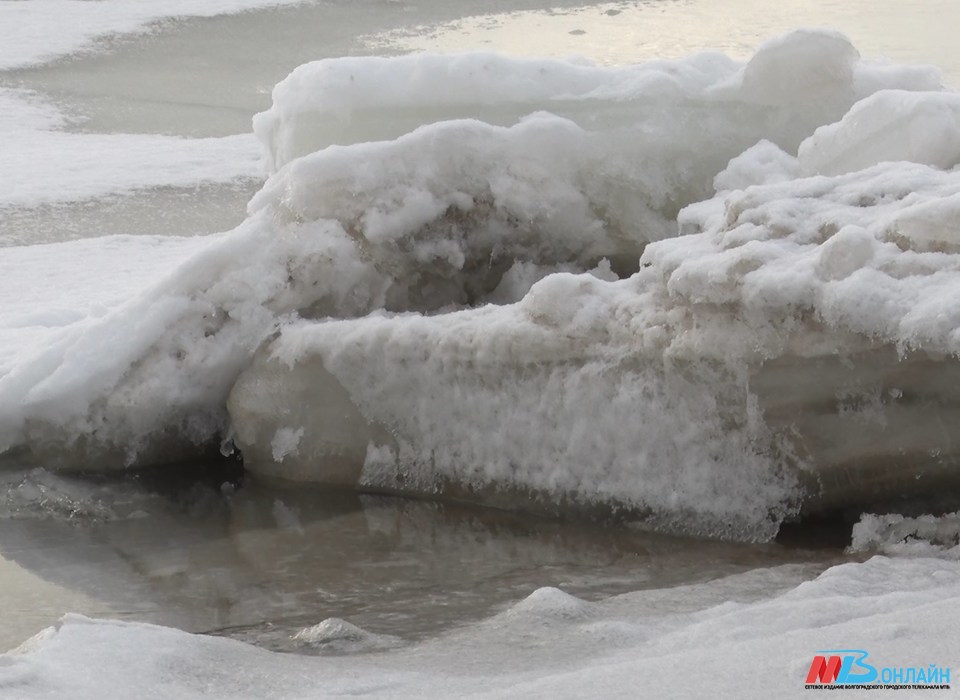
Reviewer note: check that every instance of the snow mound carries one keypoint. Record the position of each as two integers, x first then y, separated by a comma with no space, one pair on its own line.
550,603
890,125
334,634
792,84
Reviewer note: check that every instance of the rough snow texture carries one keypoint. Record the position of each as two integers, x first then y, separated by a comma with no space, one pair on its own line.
626,147
922,536
661,394
676,642
807,317
141,374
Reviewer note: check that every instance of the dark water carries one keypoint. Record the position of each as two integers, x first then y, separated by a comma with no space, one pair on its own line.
257,562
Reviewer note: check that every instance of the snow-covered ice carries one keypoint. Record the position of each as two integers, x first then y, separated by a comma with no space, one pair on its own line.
425,386
747,636
921,536
44,164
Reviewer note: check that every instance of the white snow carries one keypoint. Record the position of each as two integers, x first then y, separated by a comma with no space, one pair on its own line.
747,636
56,183
895,534
52,167
23,110
44,165
74,284
177,338
703,110
891,125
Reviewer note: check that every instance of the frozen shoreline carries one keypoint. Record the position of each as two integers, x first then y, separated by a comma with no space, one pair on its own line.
437,293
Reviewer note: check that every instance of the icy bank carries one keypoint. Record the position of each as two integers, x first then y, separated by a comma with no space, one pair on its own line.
137,371
798,343
372,267
676,642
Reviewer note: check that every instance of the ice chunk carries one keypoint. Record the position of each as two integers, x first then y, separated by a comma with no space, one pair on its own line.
334,634
551,603
923,536
446,210
785,339
501,404
527,404
817,64
891,125
177,340
696,107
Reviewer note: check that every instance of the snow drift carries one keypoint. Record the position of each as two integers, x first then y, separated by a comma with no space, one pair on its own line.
464,277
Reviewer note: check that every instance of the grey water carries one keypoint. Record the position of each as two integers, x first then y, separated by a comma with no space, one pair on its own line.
259,562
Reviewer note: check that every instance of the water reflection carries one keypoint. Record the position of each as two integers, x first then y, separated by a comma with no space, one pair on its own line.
629,32
260,563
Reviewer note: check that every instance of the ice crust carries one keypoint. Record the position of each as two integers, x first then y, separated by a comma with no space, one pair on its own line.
43,30
87,166
438,291
676,642
791,85
895,534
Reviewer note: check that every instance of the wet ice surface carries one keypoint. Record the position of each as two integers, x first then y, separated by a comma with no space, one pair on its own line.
618,32
261,564
208,76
